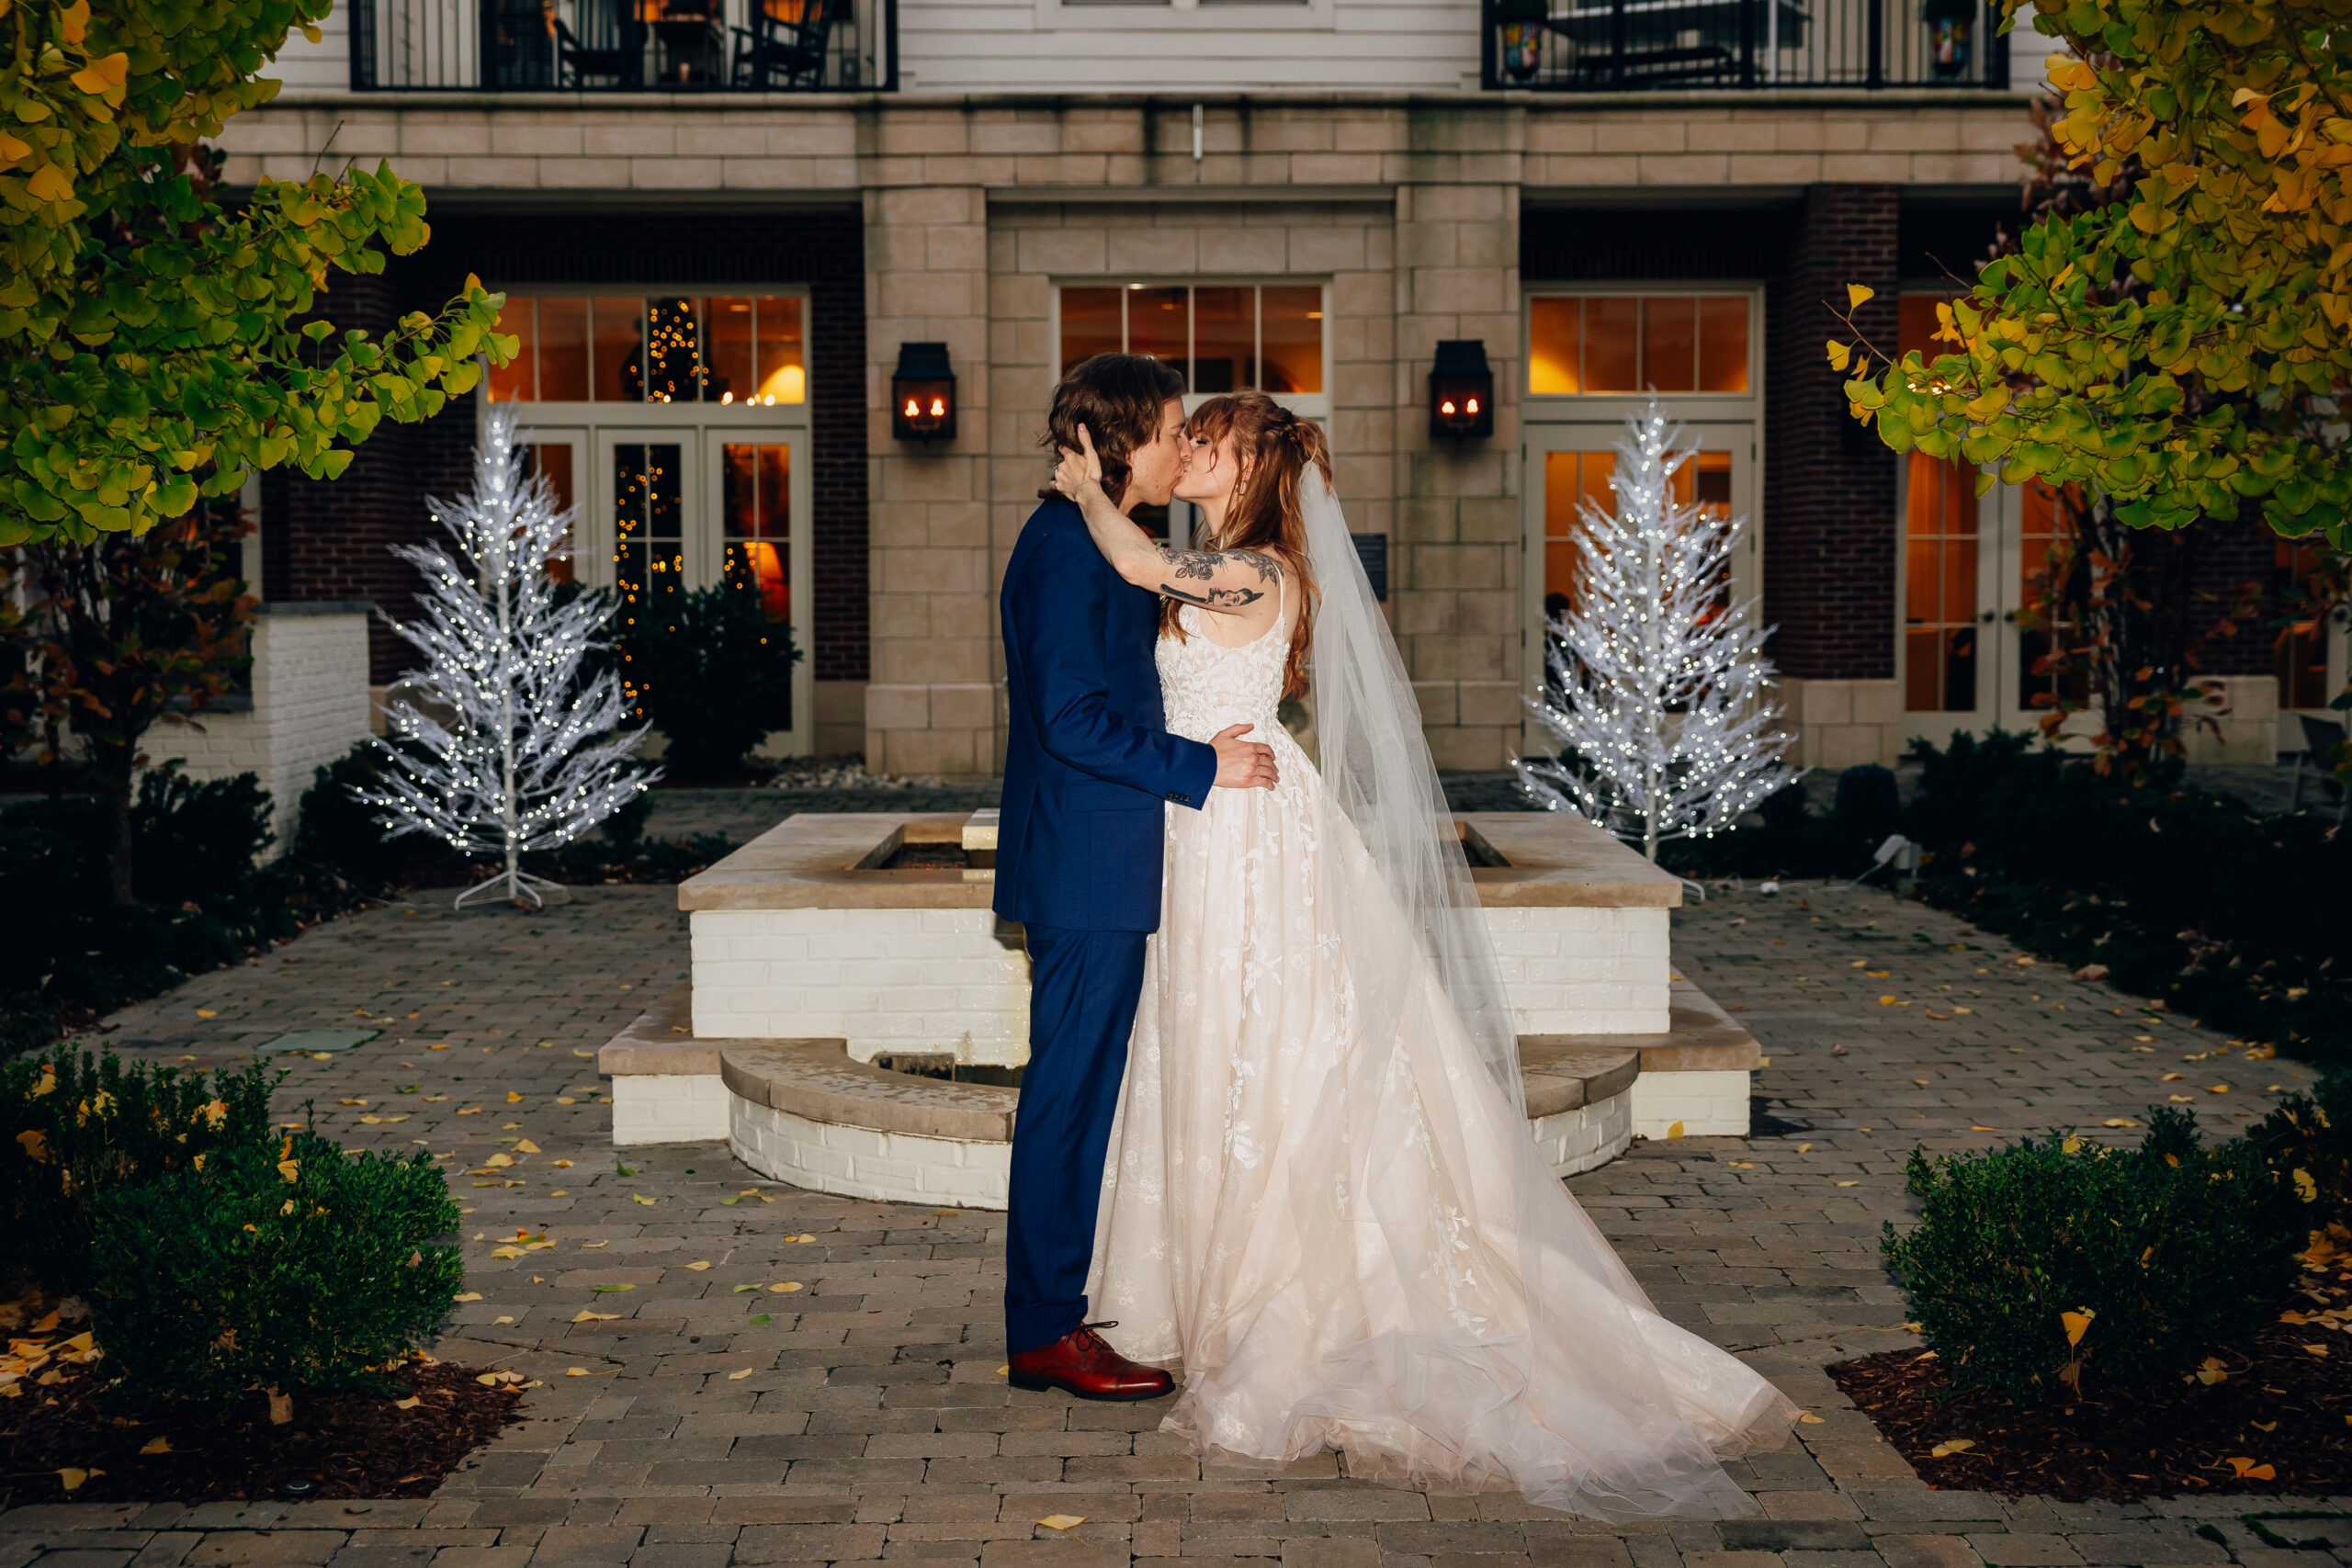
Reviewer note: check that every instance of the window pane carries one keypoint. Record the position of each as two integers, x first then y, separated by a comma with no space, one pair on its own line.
1290,330
554,460
647,560
727,341
755,502
563,349
620,351
1921,665
672,353
1916,325
1722,345
1960,581
1670,343
1960,669
783,367
1920,584
1225,339
1555,328
1090,325
1159,324
1610,329
1710,484
514,381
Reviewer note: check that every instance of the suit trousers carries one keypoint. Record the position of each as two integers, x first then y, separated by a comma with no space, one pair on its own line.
1083,988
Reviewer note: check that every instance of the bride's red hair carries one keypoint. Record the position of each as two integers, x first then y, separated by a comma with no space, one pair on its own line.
1273,447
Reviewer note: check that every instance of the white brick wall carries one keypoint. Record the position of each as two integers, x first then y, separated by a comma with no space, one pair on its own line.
940,980
856,1162
881,979
1708,1104
669,1108
1589,1136
309,689
1583,971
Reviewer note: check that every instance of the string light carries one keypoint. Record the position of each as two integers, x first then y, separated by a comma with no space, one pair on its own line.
1656,682
533,754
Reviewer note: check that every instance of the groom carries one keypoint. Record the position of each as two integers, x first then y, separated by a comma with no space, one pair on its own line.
1079,841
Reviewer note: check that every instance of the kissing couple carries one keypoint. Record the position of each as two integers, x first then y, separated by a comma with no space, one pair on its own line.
1272,1126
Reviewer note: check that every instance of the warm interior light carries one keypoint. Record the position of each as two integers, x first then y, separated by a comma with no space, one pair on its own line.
725,397
1446,407
913,408
1474,405
938,408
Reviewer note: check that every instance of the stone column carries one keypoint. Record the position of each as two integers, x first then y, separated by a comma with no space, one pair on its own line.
931,706
1455,594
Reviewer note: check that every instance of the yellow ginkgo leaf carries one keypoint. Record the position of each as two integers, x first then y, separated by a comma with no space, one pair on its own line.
2307,1187
1839,354
72,1478
584,1315
508,1251
1856,296
513,1097
634,1198
786,1288
1674,1131
697,1267
157,1445
1810,1419
2077,1324
499,1160
410,1403
1064,1521
74,22
738,1377
526,1147
575,1371
1951,1446
468,1296
2248,1471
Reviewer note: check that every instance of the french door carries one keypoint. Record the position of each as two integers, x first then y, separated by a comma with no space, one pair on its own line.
661,509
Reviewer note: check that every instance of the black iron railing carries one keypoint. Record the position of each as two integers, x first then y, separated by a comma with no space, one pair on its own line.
570,46
1603,46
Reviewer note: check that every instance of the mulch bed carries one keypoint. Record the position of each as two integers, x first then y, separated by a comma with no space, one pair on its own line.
2174,1438
352,1445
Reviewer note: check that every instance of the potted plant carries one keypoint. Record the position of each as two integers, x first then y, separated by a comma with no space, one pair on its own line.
1950,26
1522,22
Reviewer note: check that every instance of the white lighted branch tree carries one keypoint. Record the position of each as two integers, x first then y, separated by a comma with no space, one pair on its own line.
1656,680
505,745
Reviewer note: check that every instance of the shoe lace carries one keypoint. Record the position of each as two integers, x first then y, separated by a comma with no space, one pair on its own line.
1086,1332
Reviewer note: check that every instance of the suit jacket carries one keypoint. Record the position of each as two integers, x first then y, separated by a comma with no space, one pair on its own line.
1078,835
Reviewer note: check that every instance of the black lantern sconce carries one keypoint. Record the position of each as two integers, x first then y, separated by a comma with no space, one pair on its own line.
922,394
1462,390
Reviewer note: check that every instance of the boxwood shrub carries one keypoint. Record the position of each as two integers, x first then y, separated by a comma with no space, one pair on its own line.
77,1124
2170,1250
289,1268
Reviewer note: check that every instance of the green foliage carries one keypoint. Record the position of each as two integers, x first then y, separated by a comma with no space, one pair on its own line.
285,1266
152,347
79,1126
2177,348
2308,1140
2169,1252
195,836
713,670
2183,895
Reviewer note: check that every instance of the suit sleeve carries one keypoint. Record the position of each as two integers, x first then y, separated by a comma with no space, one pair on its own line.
1059,607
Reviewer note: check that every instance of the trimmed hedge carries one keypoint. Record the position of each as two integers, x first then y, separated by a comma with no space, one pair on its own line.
2159,1254
289,1268
79,1126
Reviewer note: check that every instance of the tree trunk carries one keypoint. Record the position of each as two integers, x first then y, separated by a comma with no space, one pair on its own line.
120,863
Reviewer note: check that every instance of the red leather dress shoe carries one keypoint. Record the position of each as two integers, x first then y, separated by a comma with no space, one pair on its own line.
1082,1364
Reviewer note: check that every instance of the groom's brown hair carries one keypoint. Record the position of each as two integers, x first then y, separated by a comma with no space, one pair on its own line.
1118,397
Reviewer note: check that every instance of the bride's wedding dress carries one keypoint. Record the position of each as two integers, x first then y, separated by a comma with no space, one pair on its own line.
1339,1224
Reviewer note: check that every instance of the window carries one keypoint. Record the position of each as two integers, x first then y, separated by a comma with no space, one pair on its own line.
1940,586
1572,478
1583,345
732,350
554,460
755,511
2303,642
1220,337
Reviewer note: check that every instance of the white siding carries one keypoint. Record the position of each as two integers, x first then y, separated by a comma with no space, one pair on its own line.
307,67
1016,45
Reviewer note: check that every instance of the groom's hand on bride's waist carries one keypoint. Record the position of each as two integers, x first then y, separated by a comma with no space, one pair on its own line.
1243,764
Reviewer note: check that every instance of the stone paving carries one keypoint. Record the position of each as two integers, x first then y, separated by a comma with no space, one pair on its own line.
708,1416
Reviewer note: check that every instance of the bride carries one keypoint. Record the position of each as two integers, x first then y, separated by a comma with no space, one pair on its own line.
1322,1201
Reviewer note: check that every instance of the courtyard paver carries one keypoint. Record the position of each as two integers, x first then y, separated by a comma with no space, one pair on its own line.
715,1419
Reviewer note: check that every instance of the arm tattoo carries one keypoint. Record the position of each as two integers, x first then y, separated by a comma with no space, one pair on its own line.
1215,598
1204,563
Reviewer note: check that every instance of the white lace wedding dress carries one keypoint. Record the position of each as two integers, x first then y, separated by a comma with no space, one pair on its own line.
1338,1227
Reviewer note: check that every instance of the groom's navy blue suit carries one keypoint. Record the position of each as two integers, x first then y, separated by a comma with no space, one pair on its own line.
1079,847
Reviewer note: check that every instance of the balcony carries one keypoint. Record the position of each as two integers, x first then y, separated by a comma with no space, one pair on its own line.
624,46
1619,46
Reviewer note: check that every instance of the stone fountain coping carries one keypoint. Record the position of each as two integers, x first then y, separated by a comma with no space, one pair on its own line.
819,1081
813,860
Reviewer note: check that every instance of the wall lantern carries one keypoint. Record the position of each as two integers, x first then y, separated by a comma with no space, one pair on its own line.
1462,390
922,394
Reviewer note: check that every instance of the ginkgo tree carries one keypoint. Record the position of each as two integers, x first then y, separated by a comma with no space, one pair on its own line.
153,344
2182,349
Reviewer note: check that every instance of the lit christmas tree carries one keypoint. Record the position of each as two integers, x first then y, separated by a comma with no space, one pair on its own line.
1656,680
532,755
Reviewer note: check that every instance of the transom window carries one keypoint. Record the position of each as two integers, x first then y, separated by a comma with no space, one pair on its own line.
1222,337
1582,345
746,350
